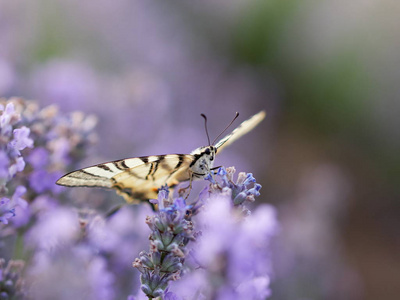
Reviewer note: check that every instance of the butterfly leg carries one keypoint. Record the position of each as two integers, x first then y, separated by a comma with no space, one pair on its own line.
212,172
187,189
113,211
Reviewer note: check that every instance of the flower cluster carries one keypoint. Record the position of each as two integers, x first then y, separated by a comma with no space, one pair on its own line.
62,253
60,142
232,258
214,245
244,190
11,284
228,257
14,138
172,230
36,147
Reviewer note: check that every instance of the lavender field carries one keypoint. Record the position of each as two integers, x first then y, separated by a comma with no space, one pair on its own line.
305,206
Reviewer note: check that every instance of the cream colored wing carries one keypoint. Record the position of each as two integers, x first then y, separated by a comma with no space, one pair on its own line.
136,179
241,130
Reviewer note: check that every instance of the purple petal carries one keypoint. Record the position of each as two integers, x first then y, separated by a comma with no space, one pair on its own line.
21,138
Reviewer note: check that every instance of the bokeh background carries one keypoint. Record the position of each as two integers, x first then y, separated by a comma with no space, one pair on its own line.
327,73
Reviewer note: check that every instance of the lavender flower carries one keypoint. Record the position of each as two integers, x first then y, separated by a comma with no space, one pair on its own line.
244,190
52,232
233,251
21,139
61,255
67,244
38,145
7,206
72,273
13,139
229,256
7,210
11,283
171,232
118,239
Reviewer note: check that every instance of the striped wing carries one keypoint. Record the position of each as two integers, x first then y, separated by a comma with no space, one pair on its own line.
241,130
136,179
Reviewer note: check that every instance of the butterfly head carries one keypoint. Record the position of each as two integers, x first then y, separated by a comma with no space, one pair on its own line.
209,152
203,160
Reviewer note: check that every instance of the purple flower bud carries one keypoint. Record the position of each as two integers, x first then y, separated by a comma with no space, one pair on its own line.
6,118
221,172
170,263
156,258
163,194
20,164
17,167
210,178
21,138
249,179
241,178
158,244
138,265
153,285
145,260
159,224
19,191
11,281
7,211
240,198
8,206
176,250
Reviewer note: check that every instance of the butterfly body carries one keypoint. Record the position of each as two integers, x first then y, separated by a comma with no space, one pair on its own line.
139,178
203,161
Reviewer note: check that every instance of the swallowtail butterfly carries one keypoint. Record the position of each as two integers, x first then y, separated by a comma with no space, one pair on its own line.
139,178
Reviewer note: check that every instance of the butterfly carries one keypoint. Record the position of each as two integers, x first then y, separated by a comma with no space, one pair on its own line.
139,178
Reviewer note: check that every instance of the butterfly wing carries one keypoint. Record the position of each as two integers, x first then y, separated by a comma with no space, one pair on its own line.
134,178
241,130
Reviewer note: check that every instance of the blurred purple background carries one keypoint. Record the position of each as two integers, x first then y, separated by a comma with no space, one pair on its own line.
326,72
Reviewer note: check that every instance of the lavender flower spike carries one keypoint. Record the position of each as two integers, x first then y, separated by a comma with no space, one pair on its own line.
245,189
21,139
171,232
11,283
231,259
7,206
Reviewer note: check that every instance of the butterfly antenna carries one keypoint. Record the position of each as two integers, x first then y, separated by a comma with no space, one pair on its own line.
236,116
205,126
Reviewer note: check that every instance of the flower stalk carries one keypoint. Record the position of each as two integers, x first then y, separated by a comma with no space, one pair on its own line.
172,230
